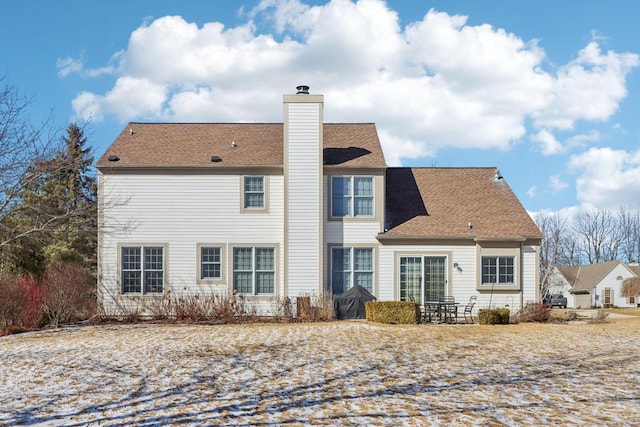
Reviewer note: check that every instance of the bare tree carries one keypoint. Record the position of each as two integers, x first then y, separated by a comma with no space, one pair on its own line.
628,221
598,234
554,229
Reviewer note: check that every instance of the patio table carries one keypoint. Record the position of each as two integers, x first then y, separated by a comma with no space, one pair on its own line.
442,311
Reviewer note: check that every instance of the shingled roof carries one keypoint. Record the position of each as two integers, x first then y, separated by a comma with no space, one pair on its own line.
586,277
442,202
255,144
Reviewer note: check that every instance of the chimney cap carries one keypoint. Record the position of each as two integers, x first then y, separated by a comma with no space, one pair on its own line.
302,89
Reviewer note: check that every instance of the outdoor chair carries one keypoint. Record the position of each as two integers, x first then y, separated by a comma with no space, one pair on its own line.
468,310
448,310
430,311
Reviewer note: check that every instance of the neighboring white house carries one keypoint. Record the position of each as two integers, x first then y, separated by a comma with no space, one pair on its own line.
593,285
298,208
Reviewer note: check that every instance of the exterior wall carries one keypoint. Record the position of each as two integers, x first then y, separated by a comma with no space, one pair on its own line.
180,210
463,279
303,194
352,232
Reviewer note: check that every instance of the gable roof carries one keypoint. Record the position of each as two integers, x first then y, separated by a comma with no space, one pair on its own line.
256,144
587,277
441,202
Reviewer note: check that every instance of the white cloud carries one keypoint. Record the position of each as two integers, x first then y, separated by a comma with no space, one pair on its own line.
556,184
547,142
436,83
607,178
532,191
68,66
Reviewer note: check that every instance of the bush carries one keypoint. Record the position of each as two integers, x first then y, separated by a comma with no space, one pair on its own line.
21,302
393,312
493,316
533,312
600,316
69,293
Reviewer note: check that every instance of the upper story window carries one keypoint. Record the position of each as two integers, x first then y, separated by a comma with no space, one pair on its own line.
352,196
498,270
254,192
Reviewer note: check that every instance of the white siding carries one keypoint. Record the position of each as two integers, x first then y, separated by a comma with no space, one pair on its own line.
611,281
530,273
461,281
303,198
182,210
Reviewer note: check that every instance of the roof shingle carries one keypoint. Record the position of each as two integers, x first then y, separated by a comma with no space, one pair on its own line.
441,202
256,144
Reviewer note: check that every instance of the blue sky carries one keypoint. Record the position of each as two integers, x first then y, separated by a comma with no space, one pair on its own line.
546,91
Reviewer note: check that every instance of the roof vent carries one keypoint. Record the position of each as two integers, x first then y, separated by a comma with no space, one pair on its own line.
113,158
497,176
302,89
216,159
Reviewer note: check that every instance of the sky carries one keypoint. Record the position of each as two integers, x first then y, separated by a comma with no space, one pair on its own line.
547,91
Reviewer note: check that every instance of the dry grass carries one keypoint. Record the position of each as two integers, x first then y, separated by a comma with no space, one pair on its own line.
338,373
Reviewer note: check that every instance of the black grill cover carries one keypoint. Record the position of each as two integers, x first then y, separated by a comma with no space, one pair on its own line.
350,305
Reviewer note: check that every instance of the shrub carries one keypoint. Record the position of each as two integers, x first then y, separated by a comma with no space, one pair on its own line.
600,316
393,312
69,293
493,316
312,308
21,301
533,312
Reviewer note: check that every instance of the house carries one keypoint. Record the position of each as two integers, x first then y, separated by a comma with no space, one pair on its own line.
299,208
593,285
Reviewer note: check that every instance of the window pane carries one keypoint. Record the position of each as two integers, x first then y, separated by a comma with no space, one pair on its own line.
363,186
364,279
265,259
363,259
265,283
131,258
506,272
489,270
242,282
210,263
363,206
152,281
242,259
131,282
253,200
254,183
410,279
153,258
340,186
340,206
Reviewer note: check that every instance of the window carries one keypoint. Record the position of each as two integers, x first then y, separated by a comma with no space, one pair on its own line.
423,278
351,266
254,271
351,196
210,263
142,269
498,270
254,194
632,300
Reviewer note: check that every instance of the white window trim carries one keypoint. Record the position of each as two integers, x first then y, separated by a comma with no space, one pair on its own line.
353,197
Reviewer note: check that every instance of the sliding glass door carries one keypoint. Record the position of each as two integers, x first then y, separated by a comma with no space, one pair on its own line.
423,278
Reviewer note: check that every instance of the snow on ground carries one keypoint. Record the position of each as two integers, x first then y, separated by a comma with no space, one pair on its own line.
338,373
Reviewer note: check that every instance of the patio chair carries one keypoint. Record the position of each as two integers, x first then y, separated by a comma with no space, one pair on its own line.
468,310
430,311
448,309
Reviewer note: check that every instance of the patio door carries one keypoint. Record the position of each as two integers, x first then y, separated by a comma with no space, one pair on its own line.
435,280
422,278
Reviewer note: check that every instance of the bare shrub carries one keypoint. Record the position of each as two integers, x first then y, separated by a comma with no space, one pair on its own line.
13,300
532,312
70,293
21,301
192,308
282,309
161,308
314,308
599,316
